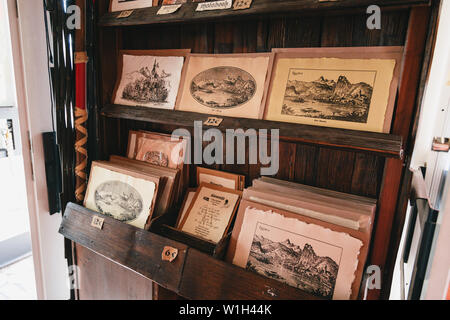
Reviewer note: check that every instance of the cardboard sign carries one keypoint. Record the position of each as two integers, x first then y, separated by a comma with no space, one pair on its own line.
97,222
169,254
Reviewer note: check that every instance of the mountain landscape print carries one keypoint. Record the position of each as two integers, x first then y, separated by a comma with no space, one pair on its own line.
147,86
329,94
295,262
223,87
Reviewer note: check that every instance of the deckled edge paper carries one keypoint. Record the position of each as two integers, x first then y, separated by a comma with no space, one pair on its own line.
351,246
215,5
169,9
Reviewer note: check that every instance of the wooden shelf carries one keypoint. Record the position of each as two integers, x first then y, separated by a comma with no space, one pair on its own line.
192,275
187,11
381,144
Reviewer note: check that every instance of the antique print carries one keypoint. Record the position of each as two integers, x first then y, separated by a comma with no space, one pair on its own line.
160,150
308,256
329,94
228,85
120,5
223,87
334,92
210,212
123,197
219,178
301,262
150,81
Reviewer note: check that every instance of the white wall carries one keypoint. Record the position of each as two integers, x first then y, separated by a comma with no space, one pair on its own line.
33,97
7,88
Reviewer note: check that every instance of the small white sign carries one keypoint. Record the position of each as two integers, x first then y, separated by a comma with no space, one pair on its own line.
168,9
215,5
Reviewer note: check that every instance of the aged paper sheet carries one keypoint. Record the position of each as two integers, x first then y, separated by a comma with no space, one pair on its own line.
150,81
217,180
332,92
120,196
209,215
306,256
225,85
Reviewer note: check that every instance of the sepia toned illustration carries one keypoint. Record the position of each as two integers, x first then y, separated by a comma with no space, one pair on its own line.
294,260
317,257
223,87
150,81
346,88
118,200
145,86
157,158
123,194
332,94
233,85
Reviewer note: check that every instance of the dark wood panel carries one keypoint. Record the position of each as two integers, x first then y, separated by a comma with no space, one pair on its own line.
306,164
367,173
212,281
134,248
377,143
187,12
193,275
316,164
103,279
393,172
335,170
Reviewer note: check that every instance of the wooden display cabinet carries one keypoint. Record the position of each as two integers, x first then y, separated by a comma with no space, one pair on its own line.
126,260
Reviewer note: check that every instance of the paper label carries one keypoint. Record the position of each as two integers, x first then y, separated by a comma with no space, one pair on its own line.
97,222
242,4
168,9
213,122
169,254
215,5
125,14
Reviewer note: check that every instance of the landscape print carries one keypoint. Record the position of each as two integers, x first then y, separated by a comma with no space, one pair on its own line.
329,94
118,200
150,81
223,87
157,158
147,86
298,261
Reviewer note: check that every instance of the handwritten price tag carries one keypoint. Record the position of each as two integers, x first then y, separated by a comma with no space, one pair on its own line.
125,14
213,122
242,4
169,254
97,222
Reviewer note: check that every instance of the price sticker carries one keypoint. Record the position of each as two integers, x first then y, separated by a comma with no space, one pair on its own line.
97,222
169,253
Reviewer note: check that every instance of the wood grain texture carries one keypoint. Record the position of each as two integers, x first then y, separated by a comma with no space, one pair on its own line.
98,279
377,143
134,248
394,169
322,156
187,12
217,280
193,275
